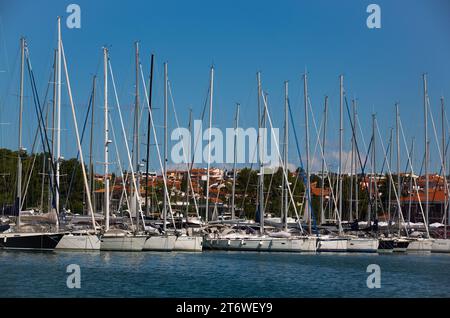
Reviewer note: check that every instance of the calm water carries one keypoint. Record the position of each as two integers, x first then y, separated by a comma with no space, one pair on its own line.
221,274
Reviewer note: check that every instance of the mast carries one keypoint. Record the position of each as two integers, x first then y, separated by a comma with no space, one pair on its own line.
236,125
136,137
390,183
147,206
91,144
188,166
308,172
19,159
352,158
325,115
55,70
355,163
165,146
58,118
399,179
106,144
286,146
211,90
77,135
410,179
425,106
444,166
341,135
260,161
369,207
375,184
356,174
44,159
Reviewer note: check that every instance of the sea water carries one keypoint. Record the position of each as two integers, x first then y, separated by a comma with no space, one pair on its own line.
221,274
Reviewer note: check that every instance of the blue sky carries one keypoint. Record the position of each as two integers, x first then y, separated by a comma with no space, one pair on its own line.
281,39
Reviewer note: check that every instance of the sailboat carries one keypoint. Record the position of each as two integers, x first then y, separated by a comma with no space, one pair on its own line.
18,239
333,243
155,241
85,239
188,241
442,245
357,243
328,242
398,242
284,241
115,239
161,241
168,240
250,240
341,242
425,244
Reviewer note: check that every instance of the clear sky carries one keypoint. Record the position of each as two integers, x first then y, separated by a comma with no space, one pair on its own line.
279,38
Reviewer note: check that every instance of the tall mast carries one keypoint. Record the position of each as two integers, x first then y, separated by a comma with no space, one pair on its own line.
341,135
236,126
308,172
352,159
91,144
211,91
425,107
58,118
44,159
165,145
399,179
260,161
444,166
147,206
286,147
411,178
19,161
55,70
375,184
325,115
106,144
390,183
369,207
188,166
356,174
136,138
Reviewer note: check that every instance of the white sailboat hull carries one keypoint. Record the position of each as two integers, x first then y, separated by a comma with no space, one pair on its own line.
262,244
362,245
420,245
163,243
85,242
238,244
309,244
122,243
332,245
304,244
441,246
188,243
